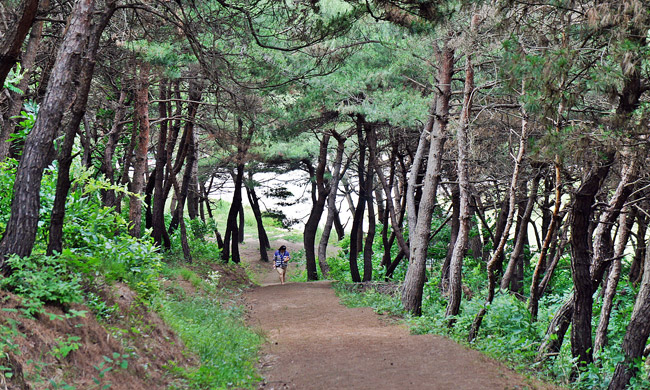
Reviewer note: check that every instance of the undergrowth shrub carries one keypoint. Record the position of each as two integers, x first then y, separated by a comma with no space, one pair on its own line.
201,248
42,279
227,349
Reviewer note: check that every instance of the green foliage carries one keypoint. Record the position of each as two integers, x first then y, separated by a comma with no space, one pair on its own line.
42,279
13,79
63,347
7,176
201,248
227,349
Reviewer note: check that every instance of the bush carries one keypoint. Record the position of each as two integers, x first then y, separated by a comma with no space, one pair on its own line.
42,279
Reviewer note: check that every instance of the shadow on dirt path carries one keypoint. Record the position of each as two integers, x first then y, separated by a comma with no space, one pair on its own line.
314,342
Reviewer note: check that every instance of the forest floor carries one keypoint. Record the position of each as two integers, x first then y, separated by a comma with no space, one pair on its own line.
314,342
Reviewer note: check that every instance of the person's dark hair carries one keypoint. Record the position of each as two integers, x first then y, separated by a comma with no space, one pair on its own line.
283,248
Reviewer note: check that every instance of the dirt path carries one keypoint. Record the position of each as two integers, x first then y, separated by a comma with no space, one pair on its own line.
317,343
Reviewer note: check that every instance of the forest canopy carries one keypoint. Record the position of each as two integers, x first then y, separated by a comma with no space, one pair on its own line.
491,155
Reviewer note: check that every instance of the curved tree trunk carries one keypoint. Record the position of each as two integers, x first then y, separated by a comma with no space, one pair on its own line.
232,231
625,222
357,221
636,335
22,226
520,236
311,226
581,343
264,243
331,206
603,246
78,111
533,303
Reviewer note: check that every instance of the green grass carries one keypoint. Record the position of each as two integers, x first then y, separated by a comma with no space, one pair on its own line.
217,334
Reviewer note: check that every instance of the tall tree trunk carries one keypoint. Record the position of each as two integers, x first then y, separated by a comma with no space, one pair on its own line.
189,149
602,246
21,228
232,230
636,335
357,221
455,227
419,238
193,190
140,160
331,205
522,234
512,198
372,222
255,205
395,225
581,343
12,42
158,213
463,142
311,226
242,223
533,303
625,222
63,182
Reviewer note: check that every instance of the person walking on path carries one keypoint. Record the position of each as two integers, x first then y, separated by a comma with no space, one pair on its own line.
280,262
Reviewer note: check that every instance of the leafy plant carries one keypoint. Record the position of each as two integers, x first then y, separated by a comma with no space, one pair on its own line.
42,279
64,347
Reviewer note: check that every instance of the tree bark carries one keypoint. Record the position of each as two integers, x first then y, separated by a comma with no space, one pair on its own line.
372,222
603,250
189,146
255,205
232,230
533,304
625,222
520,236
22,226
331,205
107,167
636,335
311,226
357,221
63,182
12,42
158,213
455,227
581,343
419,240
639,251
463,142
140,156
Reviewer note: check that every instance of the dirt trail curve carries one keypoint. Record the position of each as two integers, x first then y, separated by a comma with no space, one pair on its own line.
317,343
